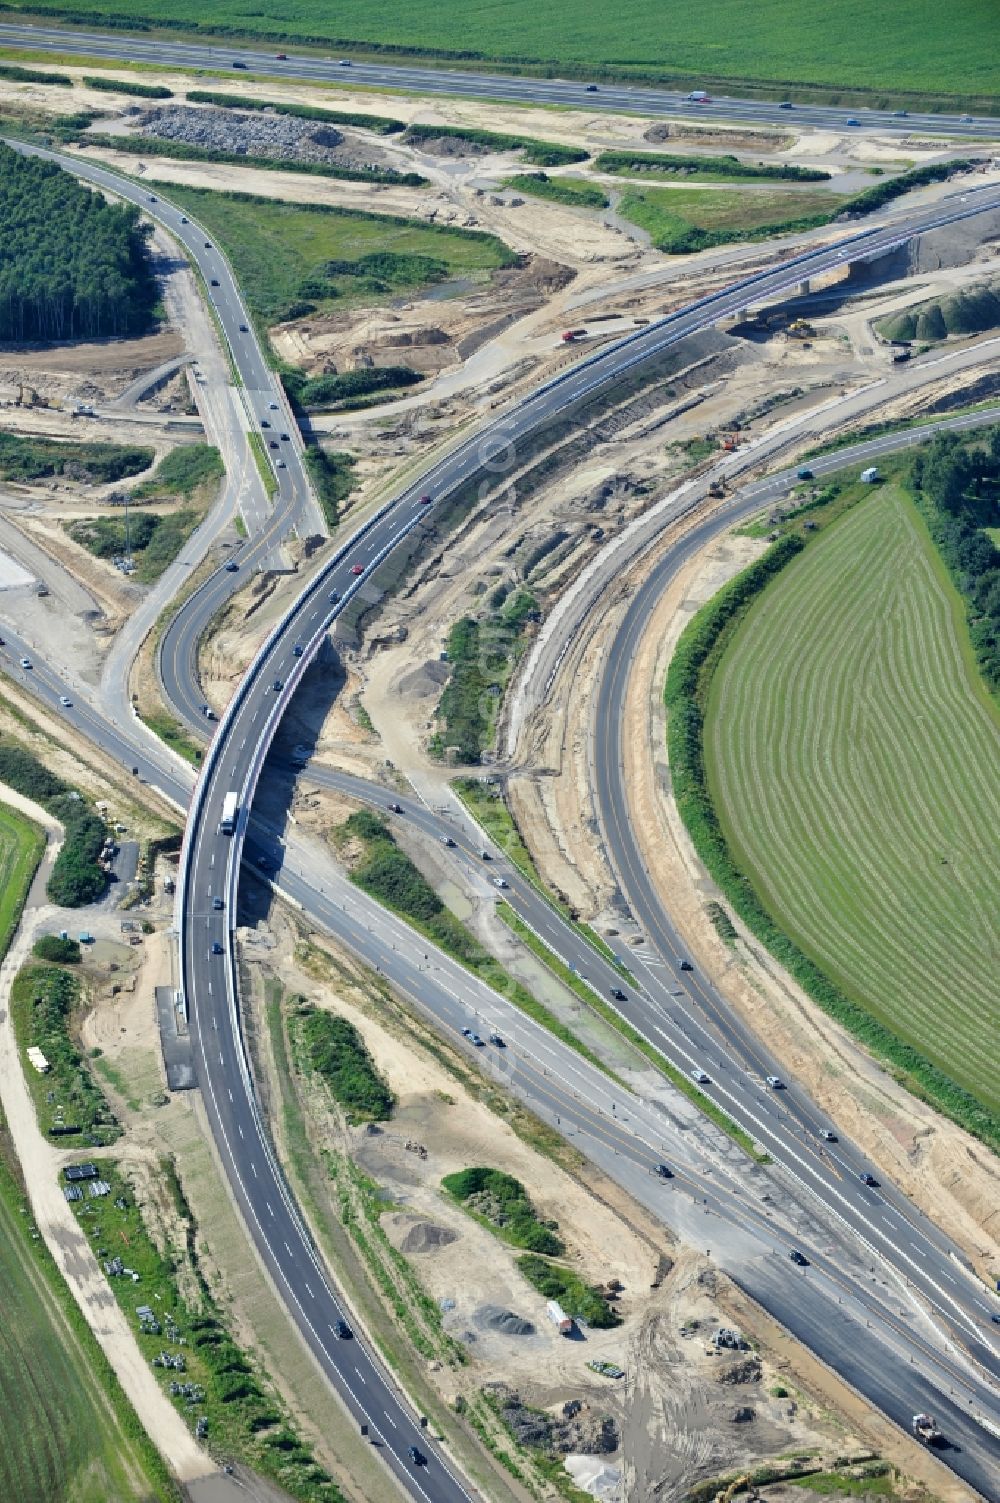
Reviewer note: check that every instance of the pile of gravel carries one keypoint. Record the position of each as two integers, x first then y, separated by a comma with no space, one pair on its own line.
424,1236
505,1322
257,134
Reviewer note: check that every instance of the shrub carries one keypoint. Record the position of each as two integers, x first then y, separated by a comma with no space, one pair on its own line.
129,86
60,951
503,1203
334,1048
582,1301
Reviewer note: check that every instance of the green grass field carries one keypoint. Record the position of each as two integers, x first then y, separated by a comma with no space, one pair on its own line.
851,751
689,219
21,848
61,1436
916,45
290,257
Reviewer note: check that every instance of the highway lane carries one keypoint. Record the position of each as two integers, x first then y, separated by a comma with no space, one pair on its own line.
627,1143
309,619
511,88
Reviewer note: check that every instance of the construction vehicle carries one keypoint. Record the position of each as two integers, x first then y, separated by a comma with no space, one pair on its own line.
716,490
730,442
925,1430
800,329
572,334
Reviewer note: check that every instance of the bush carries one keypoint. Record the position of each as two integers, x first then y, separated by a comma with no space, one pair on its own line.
324,391
129,86
60,951
182,471
27,459
560,190
76,879
637,163
883,193
582,1301
332,476
31,75
502,1202
334,1048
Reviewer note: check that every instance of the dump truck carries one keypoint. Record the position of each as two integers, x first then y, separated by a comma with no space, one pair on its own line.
925,1429
230,809
570,335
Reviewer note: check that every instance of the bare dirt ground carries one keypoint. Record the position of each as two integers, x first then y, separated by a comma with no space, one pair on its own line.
676,1417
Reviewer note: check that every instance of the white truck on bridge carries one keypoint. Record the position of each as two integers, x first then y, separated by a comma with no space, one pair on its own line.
230,809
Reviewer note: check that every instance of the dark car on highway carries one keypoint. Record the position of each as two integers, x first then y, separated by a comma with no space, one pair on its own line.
799,1258
868,1179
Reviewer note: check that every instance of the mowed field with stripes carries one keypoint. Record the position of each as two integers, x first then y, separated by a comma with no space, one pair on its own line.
853,757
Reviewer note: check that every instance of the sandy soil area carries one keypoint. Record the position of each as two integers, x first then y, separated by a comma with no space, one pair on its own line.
41,1164
675,1418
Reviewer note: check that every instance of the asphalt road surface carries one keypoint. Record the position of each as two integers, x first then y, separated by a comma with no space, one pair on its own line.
211,862
512,89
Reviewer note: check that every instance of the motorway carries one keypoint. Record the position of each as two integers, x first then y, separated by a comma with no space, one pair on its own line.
512,89
211,860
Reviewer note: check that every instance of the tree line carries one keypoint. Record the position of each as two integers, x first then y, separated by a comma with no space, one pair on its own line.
72,265
959,480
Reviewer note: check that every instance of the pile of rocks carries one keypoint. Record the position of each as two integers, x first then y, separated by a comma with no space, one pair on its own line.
258,134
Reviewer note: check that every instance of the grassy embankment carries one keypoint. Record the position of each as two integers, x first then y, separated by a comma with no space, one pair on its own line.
898,888
486,802
596,1003
190,473
218,1382
294,259
67,1430
682,220
561,190
75,879
694,169
388,874
783,48
482,655
69,1103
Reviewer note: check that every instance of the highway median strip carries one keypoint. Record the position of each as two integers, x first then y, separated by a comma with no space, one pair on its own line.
486,804
388,874
595,1001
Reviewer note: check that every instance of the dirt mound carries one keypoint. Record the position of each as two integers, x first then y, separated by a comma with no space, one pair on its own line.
447,146
425,1237
505,1322
690,135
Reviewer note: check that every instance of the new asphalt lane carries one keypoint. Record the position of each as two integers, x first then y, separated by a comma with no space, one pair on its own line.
235,760
625,98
